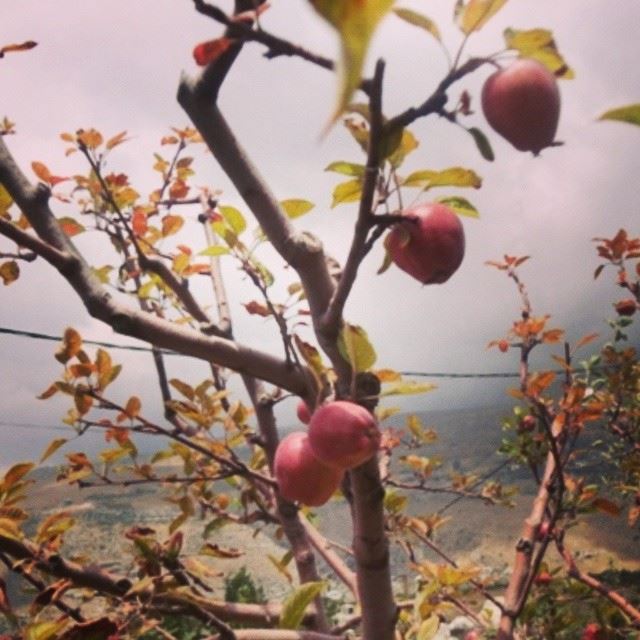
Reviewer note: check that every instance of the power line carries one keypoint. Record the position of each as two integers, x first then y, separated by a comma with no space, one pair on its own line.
109,345
167,352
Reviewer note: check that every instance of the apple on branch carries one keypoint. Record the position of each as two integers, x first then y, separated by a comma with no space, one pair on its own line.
300,475
303,412
430,245
522,103
343,434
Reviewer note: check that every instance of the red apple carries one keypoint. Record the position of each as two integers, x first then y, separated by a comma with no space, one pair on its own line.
593,631
343,434
430,245
303,412
522,103
300,475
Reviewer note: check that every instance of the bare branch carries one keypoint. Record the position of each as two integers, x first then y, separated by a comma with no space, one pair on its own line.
302,251
323,547
593,583
276,46
333,315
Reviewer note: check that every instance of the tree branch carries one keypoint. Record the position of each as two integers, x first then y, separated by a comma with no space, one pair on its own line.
302,251
333,316
323,547
593,583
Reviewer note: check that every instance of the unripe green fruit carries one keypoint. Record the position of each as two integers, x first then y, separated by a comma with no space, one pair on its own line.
301,476
522,103
430,245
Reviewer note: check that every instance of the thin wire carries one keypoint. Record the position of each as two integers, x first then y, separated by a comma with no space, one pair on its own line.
111,345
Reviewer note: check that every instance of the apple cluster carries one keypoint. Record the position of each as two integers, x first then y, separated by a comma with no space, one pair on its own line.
309,466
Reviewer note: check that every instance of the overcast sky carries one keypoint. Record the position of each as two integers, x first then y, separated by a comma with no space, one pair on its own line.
116,66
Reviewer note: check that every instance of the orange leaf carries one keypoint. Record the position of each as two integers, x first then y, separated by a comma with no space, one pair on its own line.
586,340
70,226
552,336
139,221
255,308
179,189
116,140
90,138
171,224
41,170
23,46
606,506
207,52
9,272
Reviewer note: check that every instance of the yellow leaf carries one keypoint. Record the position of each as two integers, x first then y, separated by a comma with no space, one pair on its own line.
477,13
451,177
5,200
349,191
9,272
10,529
630,114
54,445
355,348
539,45
355,21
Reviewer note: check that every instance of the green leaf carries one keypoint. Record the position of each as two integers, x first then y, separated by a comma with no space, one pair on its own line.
476,13
346,168
355,348
452,177
484,147
294,208
355,21
630,114
461,206
233,218
538,44
418,20
394,502
350,191
214,251
295,605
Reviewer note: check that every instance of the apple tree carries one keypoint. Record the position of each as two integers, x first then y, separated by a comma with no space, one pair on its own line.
227,445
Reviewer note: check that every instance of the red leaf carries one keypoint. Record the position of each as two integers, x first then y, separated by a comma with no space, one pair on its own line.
207,52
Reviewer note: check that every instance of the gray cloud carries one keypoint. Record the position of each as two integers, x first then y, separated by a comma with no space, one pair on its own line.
116,66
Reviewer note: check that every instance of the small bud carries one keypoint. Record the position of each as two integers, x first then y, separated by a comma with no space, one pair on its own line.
626,307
